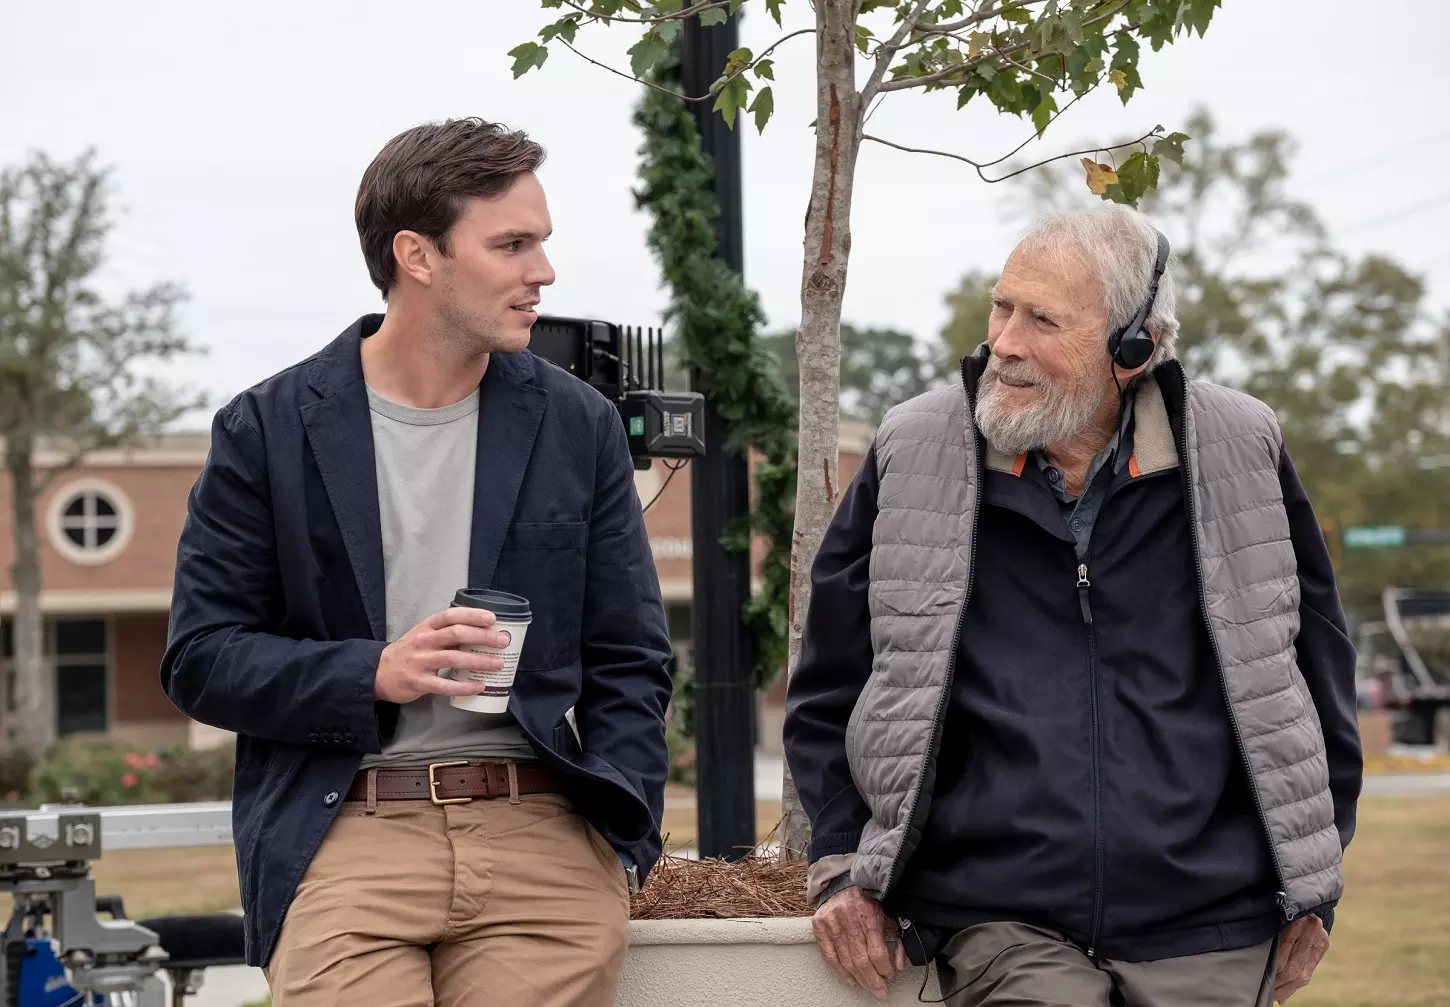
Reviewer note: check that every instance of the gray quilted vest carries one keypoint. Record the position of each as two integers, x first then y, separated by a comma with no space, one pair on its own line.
921,565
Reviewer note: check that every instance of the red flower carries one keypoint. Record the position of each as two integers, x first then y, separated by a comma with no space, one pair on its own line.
133,760
151,761
129,780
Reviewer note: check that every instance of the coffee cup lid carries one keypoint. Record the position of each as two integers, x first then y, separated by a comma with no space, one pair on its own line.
500,603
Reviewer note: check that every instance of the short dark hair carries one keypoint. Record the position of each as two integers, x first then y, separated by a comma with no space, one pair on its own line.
421,179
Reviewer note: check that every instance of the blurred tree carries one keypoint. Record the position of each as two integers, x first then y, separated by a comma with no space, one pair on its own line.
72,376
1342,348
879,368
970,306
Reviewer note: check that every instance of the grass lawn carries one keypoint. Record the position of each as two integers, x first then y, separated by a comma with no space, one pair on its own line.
1391,939
199,879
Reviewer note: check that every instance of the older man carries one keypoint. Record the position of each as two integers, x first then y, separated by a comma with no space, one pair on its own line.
1074,716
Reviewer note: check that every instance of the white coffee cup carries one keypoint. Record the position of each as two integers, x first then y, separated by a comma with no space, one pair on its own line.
512,616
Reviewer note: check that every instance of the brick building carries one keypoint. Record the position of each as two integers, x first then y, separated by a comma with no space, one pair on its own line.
108,530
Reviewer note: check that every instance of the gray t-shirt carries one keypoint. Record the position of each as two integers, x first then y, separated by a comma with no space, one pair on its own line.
425,464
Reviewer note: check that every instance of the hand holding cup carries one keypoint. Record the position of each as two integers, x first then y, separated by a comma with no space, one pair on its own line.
409,665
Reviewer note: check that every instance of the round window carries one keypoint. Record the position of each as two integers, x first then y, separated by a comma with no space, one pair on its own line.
90,521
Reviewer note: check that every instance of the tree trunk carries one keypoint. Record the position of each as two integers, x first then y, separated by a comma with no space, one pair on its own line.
818,341
34,717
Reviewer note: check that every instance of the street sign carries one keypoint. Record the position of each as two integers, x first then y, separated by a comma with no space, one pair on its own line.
1376,537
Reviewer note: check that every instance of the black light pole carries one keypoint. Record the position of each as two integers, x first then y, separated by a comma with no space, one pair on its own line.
719,492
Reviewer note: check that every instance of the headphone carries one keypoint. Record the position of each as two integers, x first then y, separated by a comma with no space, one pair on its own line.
1132,346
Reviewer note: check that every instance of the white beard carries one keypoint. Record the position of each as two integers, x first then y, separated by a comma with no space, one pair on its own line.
1060,413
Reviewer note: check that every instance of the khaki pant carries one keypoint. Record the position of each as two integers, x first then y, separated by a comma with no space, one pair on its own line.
1012,965
463,905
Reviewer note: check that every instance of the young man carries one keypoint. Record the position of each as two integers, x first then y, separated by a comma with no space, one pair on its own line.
393,848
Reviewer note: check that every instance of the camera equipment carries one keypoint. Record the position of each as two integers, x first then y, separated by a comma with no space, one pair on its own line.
627,365
57,949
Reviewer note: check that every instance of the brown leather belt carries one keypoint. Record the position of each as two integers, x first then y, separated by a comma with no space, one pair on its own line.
456,782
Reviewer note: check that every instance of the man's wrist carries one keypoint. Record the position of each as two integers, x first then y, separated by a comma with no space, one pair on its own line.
835,888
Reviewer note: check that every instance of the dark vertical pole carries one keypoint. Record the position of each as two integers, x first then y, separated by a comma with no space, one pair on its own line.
720,492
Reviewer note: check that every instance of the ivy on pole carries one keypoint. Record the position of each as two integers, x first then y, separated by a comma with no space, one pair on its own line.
716,319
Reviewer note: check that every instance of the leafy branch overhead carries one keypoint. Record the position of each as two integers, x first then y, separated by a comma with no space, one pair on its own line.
1028,58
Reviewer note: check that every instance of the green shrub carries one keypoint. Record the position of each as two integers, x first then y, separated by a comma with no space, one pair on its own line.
680,727
187,774
682,756
104,772
101,772
15,768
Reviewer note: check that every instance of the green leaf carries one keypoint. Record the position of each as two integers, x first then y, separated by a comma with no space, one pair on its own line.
714,15
735,5
731,98
762,106
1042,114
1171,147
773,7
1136,175
564,28
1125,58
1200,13
863,37
1015,15
1131,83
647,52
527,57
1072,22
740,57
1126,53
765,69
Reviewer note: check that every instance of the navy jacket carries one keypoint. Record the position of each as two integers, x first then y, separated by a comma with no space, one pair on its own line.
277,617
1088,780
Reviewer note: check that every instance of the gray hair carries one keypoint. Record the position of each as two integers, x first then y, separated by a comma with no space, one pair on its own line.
1122,244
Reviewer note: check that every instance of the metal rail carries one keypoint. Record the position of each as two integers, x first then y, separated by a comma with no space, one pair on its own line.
154,826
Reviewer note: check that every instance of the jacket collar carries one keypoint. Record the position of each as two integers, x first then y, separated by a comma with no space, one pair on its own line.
339,431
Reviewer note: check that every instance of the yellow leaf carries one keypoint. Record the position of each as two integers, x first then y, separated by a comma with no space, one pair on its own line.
1119,79
1099,176
975,41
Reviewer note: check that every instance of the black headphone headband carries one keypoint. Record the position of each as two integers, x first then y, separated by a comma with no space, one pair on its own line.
1132,346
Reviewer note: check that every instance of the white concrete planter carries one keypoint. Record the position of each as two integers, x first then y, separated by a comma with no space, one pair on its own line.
741,963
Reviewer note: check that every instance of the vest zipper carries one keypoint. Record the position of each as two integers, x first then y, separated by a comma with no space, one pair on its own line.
1281,897
920,806
1099,852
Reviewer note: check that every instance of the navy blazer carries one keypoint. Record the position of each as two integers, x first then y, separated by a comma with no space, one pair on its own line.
277,613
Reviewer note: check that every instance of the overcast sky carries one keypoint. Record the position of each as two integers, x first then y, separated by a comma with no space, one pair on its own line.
238,134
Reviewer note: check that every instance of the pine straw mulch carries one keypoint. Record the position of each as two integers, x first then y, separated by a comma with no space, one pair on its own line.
758,884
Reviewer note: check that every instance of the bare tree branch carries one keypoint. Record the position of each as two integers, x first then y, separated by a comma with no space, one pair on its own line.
1037,134
1107,16
978,166
885,53
1027,69
680,15
684,97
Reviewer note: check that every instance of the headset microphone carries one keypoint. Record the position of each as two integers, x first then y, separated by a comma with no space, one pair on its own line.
1132,346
